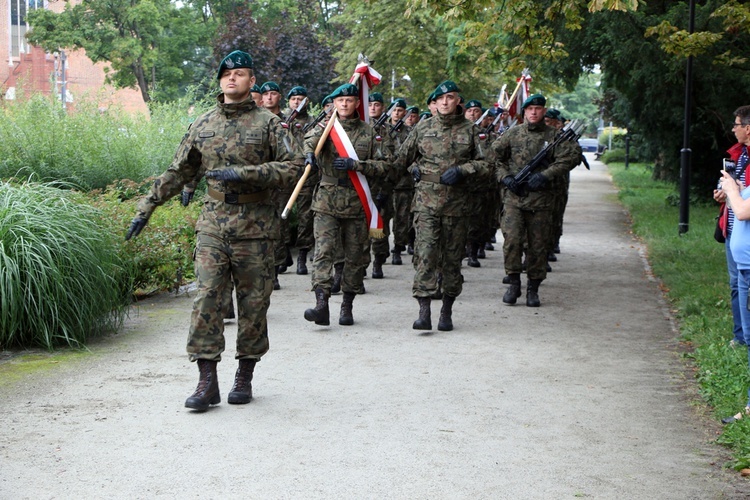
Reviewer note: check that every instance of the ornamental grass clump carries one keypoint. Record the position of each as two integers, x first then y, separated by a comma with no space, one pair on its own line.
61,275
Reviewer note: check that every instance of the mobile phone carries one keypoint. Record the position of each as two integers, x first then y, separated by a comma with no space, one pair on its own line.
729,165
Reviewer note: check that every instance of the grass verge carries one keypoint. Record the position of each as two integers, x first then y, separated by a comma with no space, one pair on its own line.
692,269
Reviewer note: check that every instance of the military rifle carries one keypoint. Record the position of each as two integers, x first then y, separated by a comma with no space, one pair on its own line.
385,116
481,118
494,123
295,112
318,119
395,128
570,132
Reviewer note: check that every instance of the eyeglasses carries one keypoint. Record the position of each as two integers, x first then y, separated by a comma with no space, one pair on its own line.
735,125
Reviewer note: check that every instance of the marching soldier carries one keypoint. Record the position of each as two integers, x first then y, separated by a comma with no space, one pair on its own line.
529,218
339,213
403,191
446,151
239,148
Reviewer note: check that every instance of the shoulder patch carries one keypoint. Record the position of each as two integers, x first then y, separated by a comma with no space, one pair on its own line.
203,134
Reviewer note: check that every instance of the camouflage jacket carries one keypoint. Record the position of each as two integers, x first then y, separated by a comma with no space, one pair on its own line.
435,145
404,182
339,198
298,136
384,185
516,147
242,136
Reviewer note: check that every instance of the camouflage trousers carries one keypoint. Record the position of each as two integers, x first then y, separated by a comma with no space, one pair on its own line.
332,236
281,197
519,227
249,264
305,216
380,246
403,219
482,223
439,247
561,201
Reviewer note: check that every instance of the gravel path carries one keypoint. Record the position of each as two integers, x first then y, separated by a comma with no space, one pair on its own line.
583,397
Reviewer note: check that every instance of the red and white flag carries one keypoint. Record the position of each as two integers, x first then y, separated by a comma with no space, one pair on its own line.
514,107
345,149
368,78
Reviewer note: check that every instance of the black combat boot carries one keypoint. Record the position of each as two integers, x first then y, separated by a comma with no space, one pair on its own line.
276,284
242,390
445,323
473,262
424,322
207,392
396,259
551,257
289,260
489,246
506,280
532,293
302,261
229,311
345,317
319,314
514,290
338,274
480,251
377,267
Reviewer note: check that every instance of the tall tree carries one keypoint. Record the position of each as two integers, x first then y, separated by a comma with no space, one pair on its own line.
137,37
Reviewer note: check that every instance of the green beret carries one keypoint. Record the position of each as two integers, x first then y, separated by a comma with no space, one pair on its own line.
298,90
399,103
425,114
461,99
236,59
553,113
444,88
346,90
430,98
375,97
534,100
473,104
326,100
412,109
269,86
256,89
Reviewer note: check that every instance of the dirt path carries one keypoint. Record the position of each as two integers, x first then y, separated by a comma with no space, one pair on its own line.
583,397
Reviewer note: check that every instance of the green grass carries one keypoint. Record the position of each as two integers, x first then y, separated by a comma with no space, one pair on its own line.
692,268
62,277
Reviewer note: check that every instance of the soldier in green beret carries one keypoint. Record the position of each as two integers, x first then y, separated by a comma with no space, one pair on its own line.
529,218
473,110
238,148
412,115
272,98
403,192
339,214
257,95
445,151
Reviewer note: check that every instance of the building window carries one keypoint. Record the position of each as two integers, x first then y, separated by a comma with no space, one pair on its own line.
18,26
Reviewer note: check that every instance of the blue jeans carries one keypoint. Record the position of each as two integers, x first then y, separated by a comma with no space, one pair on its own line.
743,282
732,269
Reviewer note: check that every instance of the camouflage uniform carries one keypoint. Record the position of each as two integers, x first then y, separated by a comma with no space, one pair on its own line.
234,237
436,145
382,189
339,214
529,217
403,193
305,239
481,210
563,185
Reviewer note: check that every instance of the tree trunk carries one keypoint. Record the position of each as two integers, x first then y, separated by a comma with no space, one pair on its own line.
141,78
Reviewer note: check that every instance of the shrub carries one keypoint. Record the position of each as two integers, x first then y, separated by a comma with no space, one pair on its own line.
615,155
62,278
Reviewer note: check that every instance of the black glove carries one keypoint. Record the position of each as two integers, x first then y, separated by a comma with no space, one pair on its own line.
380,200
451,176
310,160
537,181
225,174
136,227
510,182
187,197
344,163
416,175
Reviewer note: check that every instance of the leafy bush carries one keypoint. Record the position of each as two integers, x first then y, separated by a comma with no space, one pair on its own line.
87,147
62,278
618,137
613,156
161,257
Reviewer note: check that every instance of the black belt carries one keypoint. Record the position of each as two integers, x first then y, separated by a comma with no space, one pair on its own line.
338,181
240,198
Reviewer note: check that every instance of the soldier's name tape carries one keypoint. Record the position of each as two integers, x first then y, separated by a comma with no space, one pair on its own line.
240,198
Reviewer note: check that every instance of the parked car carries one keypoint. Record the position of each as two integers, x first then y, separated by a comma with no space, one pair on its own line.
588,144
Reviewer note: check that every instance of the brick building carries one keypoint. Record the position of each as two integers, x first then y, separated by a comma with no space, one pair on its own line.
29,69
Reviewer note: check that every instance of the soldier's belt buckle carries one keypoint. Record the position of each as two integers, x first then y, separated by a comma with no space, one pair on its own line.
231,198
